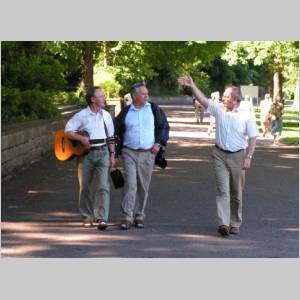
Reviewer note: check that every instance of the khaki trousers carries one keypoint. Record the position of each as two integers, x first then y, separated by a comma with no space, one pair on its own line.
138,167
230,180
94,193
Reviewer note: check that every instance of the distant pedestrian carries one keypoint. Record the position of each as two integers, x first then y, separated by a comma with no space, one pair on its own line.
127,100
265,106
246,104
143,129
276,113
199,110
236,134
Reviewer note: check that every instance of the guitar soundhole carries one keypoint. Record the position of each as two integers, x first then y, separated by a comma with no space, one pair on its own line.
63,144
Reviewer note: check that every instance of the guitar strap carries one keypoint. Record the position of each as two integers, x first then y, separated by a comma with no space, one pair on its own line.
105,128
109,140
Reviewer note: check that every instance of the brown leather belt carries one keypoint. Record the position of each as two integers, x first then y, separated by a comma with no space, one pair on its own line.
227,151
139,149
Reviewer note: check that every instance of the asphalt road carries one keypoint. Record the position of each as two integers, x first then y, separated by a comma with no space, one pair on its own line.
40,217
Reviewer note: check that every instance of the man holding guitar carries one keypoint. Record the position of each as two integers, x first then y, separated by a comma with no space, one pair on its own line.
98,127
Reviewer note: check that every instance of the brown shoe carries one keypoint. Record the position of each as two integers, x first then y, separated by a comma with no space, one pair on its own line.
234,230
87,223
223,230
125,224
139,224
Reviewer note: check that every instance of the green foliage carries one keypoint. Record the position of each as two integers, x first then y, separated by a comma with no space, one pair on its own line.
273,56
105,78
25,70
30,77
68,98
160,63
26,105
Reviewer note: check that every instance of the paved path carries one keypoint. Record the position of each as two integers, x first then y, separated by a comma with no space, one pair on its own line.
40,218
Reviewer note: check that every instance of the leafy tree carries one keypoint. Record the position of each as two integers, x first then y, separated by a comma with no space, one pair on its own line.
277,57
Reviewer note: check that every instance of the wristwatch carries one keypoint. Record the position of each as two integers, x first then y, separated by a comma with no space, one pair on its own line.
249,156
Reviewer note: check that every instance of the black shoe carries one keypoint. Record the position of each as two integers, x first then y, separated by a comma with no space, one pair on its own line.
102,225
223,230
125,225
139,224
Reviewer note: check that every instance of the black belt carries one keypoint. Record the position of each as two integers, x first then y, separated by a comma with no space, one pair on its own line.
97,147
227,151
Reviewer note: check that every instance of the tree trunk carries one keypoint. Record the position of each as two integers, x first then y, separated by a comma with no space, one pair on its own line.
270,83
277,83
88,65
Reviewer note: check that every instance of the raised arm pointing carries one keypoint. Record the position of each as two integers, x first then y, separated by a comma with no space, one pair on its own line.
188,81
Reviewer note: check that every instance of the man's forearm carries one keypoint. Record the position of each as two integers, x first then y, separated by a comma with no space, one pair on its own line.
251,146
199,95
73,136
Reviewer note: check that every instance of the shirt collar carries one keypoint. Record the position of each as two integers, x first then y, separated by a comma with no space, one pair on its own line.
132,107
90,112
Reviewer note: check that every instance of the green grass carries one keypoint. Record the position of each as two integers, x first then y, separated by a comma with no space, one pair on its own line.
290,131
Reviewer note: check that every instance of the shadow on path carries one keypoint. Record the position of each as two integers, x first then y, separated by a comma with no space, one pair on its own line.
40,217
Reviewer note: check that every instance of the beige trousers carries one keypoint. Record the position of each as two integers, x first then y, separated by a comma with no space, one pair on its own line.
138,167
230,180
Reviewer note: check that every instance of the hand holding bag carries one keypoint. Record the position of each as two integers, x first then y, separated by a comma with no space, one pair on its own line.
117,178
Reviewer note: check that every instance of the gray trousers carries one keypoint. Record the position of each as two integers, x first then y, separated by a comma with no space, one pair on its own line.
138,167
94,193
230,180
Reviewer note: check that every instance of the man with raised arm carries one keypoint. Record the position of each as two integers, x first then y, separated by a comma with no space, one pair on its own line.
236,134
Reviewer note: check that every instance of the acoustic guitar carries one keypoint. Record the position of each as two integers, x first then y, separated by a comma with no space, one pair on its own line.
66,149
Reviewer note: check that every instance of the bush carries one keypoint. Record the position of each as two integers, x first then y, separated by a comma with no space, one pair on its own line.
69,98
26,105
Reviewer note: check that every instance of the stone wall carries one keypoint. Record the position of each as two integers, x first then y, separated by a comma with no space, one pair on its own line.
24,143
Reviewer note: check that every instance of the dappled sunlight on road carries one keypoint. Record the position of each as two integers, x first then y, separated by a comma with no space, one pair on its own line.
23,250
40,216
290,229
40,191
290,156
186,159
188,134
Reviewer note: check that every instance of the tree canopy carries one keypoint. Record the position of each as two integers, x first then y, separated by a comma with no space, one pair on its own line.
36,75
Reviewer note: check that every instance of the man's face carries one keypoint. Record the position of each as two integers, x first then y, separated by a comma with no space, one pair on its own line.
229,100
267,96
141,95
99,98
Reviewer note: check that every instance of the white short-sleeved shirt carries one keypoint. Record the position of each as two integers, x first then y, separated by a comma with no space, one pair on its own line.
139,124
232,127
92,123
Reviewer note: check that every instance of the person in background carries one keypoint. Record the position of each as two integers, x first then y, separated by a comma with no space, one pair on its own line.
127,100
265,106
246,104
199,110
236,134
93,167
276,113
